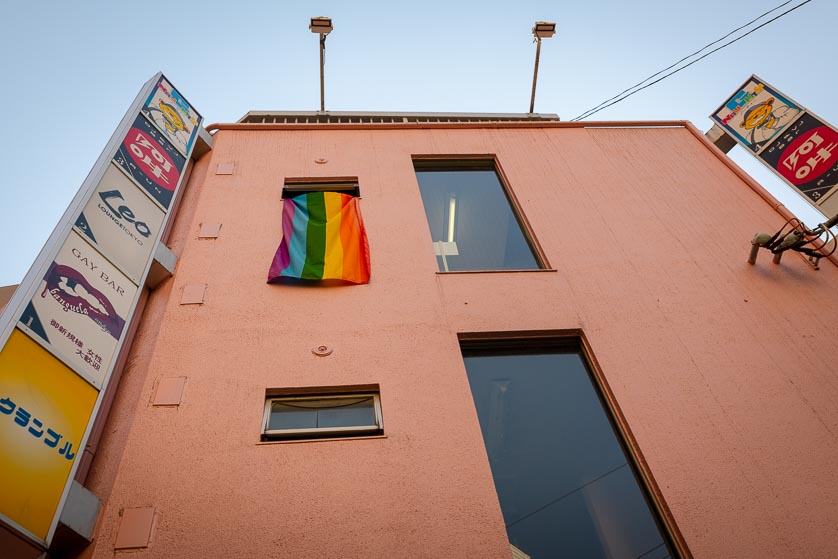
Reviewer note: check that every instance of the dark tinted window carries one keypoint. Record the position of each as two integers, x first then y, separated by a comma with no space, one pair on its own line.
472,223
565,486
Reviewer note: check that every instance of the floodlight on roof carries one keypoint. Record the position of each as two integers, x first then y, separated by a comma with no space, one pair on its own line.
544,29
321,25
541,30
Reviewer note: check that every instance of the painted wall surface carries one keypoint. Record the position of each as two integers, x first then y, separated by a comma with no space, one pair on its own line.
723,371
6,293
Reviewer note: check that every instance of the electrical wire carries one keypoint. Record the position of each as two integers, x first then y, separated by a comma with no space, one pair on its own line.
620,97
568,494
720,39
645,553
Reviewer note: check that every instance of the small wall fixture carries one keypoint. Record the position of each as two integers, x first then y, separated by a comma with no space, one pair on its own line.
541,30
322,351
815,243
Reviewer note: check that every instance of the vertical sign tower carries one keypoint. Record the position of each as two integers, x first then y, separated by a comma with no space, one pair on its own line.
62,331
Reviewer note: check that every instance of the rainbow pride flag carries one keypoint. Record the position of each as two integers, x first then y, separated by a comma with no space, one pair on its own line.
323,237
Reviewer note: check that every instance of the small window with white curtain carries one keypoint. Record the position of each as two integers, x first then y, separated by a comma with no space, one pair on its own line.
322,416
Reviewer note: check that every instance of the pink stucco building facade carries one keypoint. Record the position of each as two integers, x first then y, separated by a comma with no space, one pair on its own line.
719,376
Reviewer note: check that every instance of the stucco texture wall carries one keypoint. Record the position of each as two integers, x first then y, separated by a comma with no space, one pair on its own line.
723,371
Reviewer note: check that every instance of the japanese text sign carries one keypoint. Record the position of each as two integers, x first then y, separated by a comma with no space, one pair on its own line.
151,161
61,332
806,156
81,307
44,410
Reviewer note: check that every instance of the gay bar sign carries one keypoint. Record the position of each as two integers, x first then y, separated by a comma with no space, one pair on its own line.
64,328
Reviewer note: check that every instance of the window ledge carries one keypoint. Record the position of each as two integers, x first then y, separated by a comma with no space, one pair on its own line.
320,440
443,273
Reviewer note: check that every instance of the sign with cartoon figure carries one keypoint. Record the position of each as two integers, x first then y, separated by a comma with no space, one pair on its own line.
44,410
151,160
122,222
755,114
80,308
806,156
60,332
172,115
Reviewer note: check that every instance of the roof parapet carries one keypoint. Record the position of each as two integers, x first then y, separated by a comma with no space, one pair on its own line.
340,117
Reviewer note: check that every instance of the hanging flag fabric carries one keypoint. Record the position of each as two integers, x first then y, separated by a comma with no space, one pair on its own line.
323,237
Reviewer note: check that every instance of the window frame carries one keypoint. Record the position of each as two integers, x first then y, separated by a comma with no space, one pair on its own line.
485,162
574,340
292,186
321,432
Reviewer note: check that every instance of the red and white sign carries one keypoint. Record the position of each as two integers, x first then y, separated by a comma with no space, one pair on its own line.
805,155
808,155
154,162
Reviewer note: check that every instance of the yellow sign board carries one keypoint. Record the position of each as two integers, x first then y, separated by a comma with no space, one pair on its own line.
44,410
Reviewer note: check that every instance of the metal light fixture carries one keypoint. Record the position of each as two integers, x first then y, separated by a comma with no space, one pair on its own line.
322,26
544,29
541,30
815,243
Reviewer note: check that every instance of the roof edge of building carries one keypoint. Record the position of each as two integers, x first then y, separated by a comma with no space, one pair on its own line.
377,117
396,125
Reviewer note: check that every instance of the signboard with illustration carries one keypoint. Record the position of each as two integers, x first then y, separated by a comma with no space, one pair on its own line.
151,161
755,114
63,329
122,222
172,115
806,156
44,411
799,147
80,308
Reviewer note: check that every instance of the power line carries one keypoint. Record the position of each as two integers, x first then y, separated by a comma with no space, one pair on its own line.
619,97
568,494
583,115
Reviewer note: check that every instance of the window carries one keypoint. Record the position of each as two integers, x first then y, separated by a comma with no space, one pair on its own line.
472,220
566,484
323,234
322,415
346,185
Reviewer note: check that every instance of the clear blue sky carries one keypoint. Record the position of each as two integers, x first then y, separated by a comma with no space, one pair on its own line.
72,68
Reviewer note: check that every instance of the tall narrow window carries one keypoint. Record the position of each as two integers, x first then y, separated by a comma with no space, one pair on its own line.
472,222
566,485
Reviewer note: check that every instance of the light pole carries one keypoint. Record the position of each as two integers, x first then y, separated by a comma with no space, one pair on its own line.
541,30
322,26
